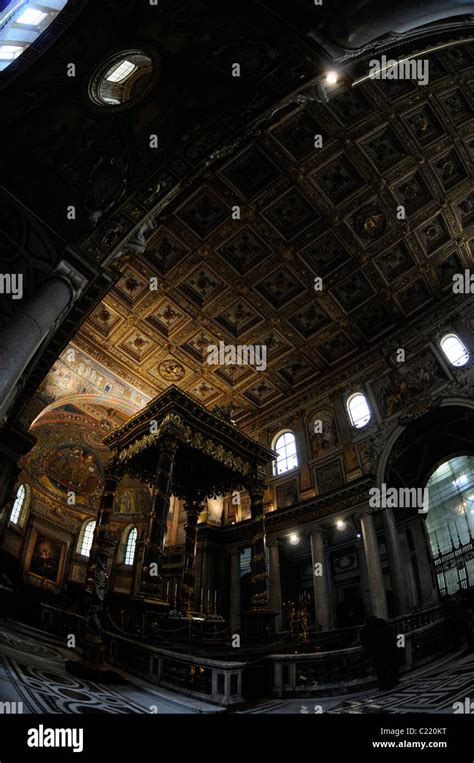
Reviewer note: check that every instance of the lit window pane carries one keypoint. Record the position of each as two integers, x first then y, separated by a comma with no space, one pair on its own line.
358,409
455,350
287,459
31,16
121,72
131,543
18,505
87,538
10,52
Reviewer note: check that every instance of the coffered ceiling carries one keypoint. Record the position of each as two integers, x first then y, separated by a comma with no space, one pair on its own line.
332,212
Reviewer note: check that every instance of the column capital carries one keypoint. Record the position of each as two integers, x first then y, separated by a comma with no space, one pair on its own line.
75,280
271,541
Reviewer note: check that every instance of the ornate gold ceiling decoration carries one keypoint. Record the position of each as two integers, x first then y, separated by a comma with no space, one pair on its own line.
305,213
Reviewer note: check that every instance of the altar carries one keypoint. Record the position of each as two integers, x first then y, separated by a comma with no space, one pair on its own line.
178,447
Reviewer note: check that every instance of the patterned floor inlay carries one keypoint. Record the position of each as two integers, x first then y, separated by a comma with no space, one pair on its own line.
33,673
433,692
44,691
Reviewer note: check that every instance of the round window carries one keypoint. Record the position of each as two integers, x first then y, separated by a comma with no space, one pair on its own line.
122,78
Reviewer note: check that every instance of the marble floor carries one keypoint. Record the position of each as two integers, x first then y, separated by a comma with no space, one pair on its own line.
32,671
432,689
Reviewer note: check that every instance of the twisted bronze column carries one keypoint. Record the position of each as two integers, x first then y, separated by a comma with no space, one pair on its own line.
151,573
258,581
98,571
193,510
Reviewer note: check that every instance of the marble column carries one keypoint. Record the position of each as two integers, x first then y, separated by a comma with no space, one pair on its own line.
193,510
424,562
234,619
395,563
258,586
322,604
97,580
151,579
40,316
378,598
274,588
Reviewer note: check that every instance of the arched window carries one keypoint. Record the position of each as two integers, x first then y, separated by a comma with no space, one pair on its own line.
20,506
21,23
455,350
130,546
86,538
358,410
285,446
450,521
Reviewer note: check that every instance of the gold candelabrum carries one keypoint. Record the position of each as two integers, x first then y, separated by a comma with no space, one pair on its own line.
299,618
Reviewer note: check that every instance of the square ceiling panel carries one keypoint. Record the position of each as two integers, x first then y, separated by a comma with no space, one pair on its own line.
351,106
233,375
297,371
166,317
457,106
197,345
204,391
238,318
424,124
280,287
412,193
297,134
262,392
450,170
394,262
105,319
131,288
446,269
164,251
202,285
336,347
338,179
353,291
434,234
414,297
384,149
325,255
204,212
373,320
370,223
290,213
309,320
251,172
244,250
465,209
137,345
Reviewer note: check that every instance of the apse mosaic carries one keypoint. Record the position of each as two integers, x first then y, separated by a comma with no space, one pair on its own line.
74,467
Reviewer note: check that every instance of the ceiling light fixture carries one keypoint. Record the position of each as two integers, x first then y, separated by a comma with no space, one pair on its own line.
340,524
331,78
294,539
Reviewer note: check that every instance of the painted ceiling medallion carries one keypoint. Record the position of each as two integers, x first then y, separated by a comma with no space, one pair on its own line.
171,370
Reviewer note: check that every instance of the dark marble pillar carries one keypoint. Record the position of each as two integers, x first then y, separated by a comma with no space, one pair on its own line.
193,510
98,574
151,577
258,595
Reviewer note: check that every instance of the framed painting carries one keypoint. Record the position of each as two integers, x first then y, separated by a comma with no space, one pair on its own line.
46,557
